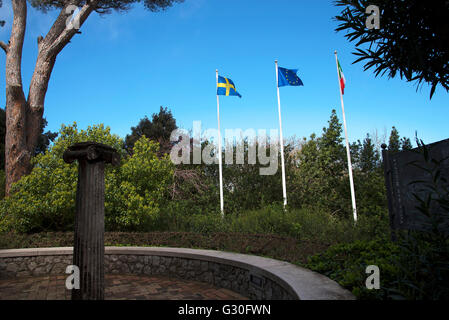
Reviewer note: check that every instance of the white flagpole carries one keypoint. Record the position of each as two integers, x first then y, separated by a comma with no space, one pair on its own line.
354,208
219,153
281,138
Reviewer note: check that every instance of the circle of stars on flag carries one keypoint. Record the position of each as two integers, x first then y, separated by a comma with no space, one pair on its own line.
293,81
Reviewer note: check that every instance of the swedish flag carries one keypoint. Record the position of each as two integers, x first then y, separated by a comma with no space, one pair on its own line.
226,87
288,77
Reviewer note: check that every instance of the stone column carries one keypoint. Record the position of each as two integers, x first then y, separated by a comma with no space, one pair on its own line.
88,253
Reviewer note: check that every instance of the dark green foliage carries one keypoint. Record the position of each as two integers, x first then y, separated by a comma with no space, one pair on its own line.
369,156
394,144
247,188
331,138
44,139
321,177
368,179
413,39
2,22
158,129
424,265
197,185
346,264
105,6
316,226
406,144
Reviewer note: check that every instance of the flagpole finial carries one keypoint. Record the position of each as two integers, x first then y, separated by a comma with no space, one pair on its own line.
335,51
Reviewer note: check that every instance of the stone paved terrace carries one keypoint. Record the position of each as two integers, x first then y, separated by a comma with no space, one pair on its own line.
117,287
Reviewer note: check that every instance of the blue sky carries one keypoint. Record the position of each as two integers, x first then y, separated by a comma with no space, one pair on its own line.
125,66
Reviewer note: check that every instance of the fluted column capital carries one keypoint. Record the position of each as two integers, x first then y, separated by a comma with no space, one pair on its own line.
92,152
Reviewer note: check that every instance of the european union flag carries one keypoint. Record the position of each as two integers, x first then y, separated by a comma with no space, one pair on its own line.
288,77
226,87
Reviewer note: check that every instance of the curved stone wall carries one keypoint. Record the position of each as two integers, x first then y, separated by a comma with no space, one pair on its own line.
252,276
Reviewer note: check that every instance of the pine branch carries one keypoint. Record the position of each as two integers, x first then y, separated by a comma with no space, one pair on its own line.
69,30
4,46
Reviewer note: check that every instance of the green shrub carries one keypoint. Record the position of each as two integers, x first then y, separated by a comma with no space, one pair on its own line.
346,264
137,189
423,262
206,224
414,268
311,224
303,224
271,219
44,200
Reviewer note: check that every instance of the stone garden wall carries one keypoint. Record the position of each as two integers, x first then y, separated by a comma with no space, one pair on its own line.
251,276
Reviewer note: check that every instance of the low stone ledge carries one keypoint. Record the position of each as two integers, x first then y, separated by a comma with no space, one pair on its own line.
253,276
32,252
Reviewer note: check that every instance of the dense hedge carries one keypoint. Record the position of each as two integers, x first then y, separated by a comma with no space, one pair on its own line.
277,247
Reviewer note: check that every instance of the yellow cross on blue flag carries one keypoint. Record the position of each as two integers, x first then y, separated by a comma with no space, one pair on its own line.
288,77
226,87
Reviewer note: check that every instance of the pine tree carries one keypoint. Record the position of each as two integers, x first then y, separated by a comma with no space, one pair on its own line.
369,156
394,144
24,111
331,146
158,129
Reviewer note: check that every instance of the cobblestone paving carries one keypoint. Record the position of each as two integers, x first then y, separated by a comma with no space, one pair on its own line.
117,287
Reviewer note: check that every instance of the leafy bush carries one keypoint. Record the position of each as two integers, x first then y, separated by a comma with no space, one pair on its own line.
346,264
136,190
271,219
424,267
45,199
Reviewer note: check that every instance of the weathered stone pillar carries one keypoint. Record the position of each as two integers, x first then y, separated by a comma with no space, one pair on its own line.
88,253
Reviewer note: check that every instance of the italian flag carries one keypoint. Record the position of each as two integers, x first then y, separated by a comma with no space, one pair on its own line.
341,76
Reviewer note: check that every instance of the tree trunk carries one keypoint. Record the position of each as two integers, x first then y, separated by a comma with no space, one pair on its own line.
36,98
24,116
17,156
